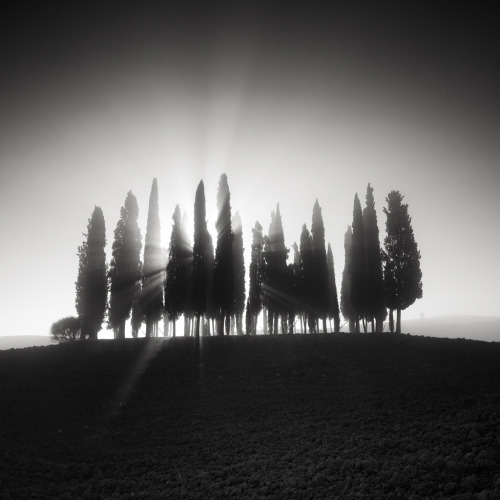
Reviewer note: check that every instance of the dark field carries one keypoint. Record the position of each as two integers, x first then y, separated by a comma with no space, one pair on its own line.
374,416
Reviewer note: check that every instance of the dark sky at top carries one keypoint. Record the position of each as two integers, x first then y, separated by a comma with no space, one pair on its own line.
49,48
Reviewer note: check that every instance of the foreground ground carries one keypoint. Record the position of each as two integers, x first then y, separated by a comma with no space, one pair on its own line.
307,416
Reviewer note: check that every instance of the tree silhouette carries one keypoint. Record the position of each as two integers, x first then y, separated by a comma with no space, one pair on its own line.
346,305
223,270
254,305
153,271
91,283
274,283
307,278
200,257
401,257
375,301
238,273
175,296
66,329
333,304
358,265
320,272
125,268
187,274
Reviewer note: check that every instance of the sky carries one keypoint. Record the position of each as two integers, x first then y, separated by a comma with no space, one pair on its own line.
291,100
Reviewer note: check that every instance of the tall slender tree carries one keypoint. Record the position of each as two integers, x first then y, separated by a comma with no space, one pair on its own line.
307,278
91,283
187,274
175,295
320,270
200,257
254,306
239,293
346,305
375,301
402,273
125,268
153,271
223,269
274,284
358,264
333,304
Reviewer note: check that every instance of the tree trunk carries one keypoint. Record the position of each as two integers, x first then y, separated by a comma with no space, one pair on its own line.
325,330
276,321
228,323
391,320
398,321
336,324
373,324
352,326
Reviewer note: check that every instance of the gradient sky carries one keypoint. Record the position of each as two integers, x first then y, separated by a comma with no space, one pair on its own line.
294,103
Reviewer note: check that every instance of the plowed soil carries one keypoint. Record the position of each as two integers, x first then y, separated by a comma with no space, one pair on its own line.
375,416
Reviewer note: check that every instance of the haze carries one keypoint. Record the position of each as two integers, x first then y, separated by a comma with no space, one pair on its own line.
292,104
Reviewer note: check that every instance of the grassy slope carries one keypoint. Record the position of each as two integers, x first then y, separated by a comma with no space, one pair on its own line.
313,416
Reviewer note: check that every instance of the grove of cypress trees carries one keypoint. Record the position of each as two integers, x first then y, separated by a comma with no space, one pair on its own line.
401,257
346,305
320,272
239,293
125,268
223,268
333,304
375,301
91,283
358,264
153,272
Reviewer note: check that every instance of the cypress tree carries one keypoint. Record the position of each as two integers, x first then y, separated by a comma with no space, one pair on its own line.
375,301
275,276
239,293
307,277
153,270
175,296
333,304
320,271
223,267
402,274
125,268
346,305
358,264
91,283
200,257
187,274
254,305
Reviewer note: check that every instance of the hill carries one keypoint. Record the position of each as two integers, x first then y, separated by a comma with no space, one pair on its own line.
486,328
306,416
22,341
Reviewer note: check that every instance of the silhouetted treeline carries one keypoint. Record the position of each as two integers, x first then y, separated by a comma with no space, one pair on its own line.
207,286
